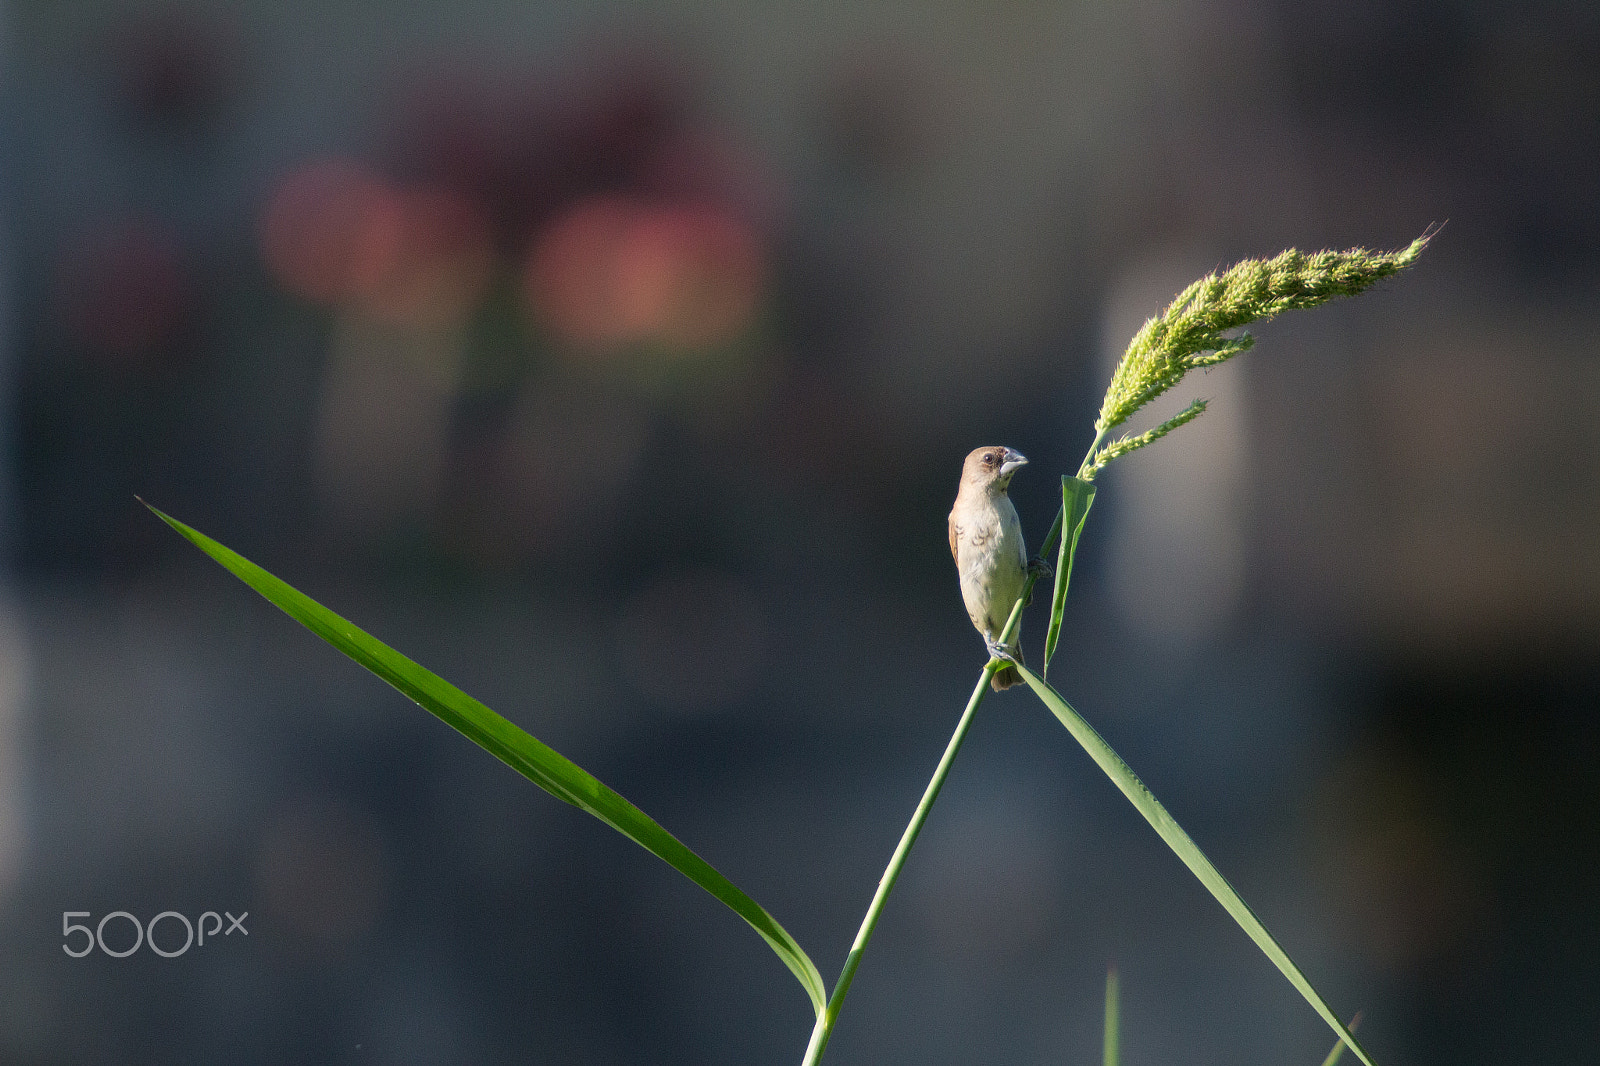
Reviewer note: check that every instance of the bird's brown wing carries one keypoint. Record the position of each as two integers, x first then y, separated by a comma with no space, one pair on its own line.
955,539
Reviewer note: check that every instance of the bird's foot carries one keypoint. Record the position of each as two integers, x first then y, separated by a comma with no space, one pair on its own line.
1038,570
1000,651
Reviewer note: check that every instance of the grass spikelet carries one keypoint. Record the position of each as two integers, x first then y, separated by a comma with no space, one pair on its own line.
1190,333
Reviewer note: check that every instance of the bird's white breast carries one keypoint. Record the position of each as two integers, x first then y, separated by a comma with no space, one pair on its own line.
992,559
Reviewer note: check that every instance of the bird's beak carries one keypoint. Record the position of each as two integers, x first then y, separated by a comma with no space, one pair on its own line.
1013,460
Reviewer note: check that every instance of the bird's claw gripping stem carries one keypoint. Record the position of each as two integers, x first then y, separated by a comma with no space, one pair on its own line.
1000,651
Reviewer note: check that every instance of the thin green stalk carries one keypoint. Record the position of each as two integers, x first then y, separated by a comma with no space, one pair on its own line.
823,1030
1111,1045
1086,468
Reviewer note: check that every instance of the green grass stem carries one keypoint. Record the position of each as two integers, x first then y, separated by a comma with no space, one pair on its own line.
1111,1046
822,1032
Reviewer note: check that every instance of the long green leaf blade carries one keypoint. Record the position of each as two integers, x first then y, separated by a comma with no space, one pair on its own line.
1076,497
1179,841
509,743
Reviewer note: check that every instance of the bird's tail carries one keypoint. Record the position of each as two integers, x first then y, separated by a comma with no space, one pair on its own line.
1007,675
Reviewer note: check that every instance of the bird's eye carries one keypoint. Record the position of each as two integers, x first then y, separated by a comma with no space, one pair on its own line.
989,459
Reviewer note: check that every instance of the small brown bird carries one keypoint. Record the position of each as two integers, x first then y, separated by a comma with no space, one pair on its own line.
986,540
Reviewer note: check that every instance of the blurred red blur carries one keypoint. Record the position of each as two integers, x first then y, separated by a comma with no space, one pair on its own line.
330,229
336,233
613,272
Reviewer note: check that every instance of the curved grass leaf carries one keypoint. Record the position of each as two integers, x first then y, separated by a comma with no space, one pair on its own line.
1076,497
521,751
1179,841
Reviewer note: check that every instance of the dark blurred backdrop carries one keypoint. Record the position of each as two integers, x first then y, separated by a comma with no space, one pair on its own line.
617,361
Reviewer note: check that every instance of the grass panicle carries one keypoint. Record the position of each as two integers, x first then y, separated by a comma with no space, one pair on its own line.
1191,333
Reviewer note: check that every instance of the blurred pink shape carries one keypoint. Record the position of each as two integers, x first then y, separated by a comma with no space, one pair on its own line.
441,263
613,271
336,233
328,230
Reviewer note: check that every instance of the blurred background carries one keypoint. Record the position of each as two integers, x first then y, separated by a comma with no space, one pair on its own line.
618,361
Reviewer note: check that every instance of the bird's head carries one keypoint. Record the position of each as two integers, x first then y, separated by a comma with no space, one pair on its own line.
991,467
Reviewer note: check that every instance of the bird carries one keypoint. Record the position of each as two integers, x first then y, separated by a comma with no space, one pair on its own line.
986,541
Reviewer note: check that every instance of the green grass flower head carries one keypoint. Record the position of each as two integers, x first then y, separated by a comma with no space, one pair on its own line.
1191,333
